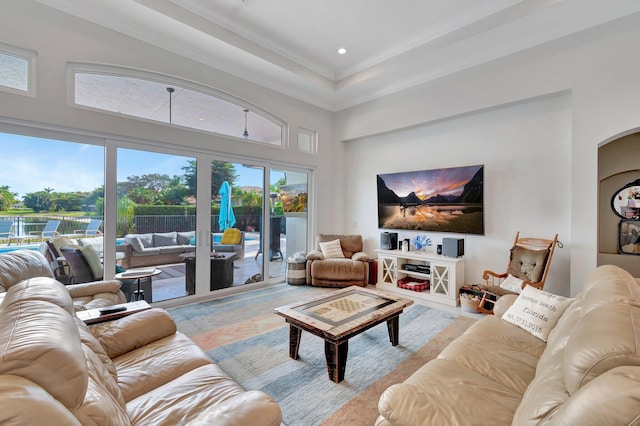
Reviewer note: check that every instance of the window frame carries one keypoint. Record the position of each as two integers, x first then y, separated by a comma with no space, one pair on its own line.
74,68
31,58
313,136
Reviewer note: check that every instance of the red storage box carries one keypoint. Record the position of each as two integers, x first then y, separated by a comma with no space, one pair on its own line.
413,284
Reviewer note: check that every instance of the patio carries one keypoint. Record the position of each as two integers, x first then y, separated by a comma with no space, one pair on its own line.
170,284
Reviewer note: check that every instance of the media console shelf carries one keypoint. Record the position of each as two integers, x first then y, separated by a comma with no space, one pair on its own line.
446,274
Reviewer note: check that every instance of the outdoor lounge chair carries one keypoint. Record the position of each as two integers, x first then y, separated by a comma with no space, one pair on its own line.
50,230
5,229
93,229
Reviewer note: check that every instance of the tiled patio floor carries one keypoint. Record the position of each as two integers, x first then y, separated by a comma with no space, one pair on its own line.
166,287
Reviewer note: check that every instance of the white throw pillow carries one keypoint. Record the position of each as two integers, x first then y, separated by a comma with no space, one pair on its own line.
93,259
331,249
537,311
512,284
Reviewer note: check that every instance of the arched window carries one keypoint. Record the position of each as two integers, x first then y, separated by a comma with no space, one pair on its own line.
157,98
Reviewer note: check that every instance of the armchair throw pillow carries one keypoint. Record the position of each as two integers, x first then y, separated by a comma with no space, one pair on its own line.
231,236
331,249
537,311
512,284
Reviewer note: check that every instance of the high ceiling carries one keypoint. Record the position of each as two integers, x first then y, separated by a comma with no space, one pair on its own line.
291,45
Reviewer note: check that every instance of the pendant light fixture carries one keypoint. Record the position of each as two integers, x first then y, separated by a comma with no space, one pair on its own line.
246,132
170,90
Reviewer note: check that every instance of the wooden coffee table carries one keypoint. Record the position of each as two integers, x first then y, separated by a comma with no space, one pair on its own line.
337,317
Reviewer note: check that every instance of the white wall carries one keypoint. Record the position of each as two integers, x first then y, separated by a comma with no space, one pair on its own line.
524,148
599,70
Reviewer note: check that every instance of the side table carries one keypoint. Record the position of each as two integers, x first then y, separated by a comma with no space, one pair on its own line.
221,270
137,274
296,273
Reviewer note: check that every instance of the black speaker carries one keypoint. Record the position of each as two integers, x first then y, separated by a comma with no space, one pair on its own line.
453,247
389,241
439,248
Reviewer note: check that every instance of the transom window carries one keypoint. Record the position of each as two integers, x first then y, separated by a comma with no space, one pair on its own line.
177,104
16,70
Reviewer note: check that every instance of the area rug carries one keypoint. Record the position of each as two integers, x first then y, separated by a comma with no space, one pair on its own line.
242,335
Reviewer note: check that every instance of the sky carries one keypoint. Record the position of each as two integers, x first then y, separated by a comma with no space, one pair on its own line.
427,183
32,164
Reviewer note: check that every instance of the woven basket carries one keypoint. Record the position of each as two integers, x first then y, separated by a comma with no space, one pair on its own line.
469,302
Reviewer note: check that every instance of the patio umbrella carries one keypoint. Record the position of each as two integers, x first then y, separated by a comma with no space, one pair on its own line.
227,219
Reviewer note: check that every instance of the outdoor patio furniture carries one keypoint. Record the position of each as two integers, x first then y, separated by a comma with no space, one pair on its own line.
5,229
274,239
21,265
49,231
231,240
81,271
58,264
152,249
93,228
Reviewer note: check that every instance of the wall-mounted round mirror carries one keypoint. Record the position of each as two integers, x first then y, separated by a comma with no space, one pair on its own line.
625,202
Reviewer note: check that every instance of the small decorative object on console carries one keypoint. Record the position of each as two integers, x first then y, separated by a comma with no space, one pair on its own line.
420,241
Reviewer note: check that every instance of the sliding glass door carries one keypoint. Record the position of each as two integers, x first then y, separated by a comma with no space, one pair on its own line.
288,217
156,222
142,206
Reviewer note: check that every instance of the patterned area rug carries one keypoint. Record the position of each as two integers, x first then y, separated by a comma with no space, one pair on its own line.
250,343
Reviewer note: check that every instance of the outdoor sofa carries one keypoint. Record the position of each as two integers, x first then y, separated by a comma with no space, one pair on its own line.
136,370
153,249
586,373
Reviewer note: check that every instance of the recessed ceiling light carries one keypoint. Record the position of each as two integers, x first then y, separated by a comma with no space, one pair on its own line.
342,51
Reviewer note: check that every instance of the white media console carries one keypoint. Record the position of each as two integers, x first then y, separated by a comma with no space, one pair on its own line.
446,274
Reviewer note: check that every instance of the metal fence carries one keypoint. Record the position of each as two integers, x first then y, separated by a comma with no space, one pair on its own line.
23,225
166,223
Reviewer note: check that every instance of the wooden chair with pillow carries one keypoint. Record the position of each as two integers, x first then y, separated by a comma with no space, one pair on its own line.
528,265
338,261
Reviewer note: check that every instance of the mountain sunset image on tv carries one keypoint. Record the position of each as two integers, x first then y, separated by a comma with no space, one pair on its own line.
440,200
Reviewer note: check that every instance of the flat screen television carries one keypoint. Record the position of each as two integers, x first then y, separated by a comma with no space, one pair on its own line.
440,200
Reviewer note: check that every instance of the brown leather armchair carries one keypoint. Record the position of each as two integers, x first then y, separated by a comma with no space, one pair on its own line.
352,269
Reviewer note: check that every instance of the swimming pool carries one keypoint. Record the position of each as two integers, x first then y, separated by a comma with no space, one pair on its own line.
9,249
